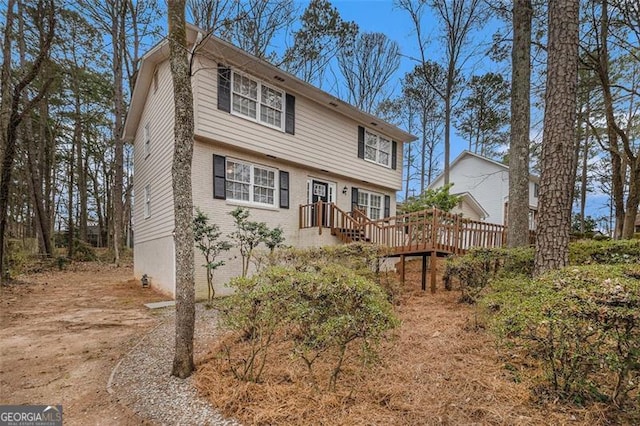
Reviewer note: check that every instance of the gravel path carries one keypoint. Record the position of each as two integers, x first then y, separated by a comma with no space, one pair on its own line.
143,382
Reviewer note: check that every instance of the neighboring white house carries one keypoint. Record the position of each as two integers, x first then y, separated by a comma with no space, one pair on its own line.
264,139
484,184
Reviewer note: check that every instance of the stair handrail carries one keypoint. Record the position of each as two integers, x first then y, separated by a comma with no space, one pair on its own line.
340,216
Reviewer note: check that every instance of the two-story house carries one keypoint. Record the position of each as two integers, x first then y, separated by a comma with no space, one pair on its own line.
265,140
484,186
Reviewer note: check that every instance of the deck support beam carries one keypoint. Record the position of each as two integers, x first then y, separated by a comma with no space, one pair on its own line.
402,268
432,265
424,272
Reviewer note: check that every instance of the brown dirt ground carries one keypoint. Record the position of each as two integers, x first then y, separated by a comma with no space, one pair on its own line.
62,334
438,368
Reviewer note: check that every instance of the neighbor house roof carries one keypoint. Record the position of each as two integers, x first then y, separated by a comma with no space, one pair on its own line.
474,204
466,153
266,71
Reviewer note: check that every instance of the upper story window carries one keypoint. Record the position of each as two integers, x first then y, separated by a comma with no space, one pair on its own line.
257,101
377,148
147,140
250,183
371,203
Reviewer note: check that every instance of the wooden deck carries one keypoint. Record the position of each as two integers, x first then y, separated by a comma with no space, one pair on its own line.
428,233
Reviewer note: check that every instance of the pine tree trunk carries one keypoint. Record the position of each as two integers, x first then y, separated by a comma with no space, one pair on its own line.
552,236
518,214
118,41
181,175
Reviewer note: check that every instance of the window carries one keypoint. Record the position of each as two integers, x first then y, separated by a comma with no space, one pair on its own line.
250,183
147,202
536,188
147,141
371,204
257,101
377,149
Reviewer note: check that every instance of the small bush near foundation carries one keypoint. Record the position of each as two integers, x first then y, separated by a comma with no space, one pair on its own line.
322,310
581,324
362,258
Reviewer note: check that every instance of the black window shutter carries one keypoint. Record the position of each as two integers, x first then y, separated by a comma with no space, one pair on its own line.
290,119
354,198
219,177
224,88
284,190
394,155
360,142
387,206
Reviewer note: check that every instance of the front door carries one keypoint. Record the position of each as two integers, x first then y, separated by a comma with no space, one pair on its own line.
319,192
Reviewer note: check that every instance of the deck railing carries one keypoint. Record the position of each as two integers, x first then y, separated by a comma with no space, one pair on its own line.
405,233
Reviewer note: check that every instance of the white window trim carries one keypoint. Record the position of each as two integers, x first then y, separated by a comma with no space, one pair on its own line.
259,101
252,166
146,140
147,201
368,206
378,136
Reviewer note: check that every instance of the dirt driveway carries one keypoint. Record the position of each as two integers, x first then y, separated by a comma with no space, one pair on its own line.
63,332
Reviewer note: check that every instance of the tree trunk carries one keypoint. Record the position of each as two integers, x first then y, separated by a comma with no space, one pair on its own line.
447,124
10,113
518,226
633,199
585,160
118,41
182,195
552,236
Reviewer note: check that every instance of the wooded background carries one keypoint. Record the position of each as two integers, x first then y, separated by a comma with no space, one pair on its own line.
69,68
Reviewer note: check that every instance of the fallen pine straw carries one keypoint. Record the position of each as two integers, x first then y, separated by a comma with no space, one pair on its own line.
435,369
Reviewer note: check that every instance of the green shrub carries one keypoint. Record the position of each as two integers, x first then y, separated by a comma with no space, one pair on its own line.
362,258
587,252
83,252
320,309
477,268
581,323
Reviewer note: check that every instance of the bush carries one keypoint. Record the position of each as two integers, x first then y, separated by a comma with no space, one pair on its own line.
581,323
477,268
320,309
587,252
83,252
362,258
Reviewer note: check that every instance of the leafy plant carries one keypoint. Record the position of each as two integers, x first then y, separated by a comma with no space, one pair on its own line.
439,198
581,323
320,308
207,238
248,235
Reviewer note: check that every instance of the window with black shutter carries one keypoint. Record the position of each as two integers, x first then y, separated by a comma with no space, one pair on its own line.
219,177
284,189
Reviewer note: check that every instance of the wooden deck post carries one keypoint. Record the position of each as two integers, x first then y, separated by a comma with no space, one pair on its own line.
402,268
432,266
424,272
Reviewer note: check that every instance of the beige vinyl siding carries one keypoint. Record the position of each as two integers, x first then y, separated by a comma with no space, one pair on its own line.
155,169
153,238
218,210
467,211
324,139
